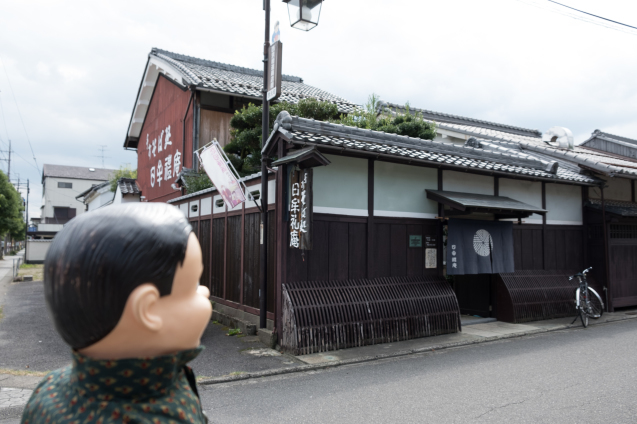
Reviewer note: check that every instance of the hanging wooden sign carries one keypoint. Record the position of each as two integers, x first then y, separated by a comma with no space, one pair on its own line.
300,209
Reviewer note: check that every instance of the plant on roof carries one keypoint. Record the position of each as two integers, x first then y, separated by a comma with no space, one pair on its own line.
244,149
124,171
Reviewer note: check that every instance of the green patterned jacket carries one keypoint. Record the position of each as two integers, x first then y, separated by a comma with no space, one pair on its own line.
145,390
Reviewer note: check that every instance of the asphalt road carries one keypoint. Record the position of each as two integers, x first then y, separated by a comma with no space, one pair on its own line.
28,340
572,376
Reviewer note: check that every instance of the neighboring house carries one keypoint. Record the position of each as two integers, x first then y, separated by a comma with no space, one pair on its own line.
608,158
183,103
60,186
101,195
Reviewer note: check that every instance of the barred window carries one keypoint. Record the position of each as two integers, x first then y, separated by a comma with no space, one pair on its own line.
618,231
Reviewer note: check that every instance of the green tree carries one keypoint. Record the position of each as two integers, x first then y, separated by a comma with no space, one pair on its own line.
11,208
244,149
124,171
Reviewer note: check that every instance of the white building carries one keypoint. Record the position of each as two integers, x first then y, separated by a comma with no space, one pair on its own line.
101,195
60,186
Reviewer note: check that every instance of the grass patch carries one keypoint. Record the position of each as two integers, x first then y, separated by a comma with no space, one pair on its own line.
234,332
23,373
36,270
235,373
1,313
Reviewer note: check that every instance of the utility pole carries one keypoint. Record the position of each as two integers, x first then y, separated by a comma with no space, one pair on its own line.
265,130
8,160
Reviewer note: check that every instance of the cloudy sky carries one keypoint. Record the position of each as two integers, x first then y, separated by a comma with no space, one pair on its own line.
72,68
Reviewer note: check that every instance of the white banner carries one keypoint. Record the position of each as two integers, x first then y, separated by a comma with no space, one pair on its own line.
222,178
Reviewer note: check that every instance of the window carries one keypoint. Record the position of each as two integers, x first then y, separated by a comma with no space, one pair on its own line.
65,185
623,231
62,215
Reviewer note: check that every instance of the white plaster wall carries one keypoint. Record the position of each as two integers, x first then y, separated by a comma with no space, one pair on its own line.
465,182
399,190
64,197
617,189
564,204
36,250
216,209
184,208
341,187
193,209
100,200
206,206
529,192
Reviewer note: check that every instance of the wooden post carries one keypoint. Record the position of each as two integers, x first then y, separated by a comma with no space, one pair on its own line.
632,191
544,249
606,256
281,243
441,214
370,218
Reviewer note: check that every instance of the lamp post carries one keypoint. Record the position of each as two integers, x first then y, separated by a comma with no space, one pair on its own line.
304,15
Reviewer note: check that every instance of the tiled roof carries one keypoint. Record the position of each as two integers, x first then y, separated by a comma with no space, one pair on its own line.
472,126
128,186
211,189
243,81
76,172
612,138
615,206
509,159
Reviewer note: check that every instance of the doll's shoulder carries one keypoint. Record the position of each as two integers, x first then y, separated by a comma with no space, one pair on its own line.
50,397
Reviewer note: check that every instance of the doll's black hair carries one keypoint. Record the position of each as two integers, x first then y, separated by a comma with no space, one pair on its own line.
98,259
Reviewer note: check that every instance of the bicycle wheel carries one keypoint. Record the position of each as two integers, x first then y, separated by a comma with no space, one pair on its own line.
584,317
596,304
583,308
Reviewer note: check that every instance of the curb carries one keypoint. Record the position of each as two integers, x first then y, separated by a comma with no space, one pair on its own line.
363,359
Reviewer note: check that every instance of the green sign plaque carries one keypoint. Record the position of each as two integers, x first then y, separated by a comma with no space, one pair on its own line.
415,241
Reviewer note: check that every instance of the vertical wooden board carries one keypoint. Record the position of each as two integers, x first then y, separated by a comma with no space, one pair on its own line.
527,249
206,252
560,250
214,125
357,254
233,259
338,250
272,232
517,249
195,227
318,262
218,243
251,260
296,266
538,251
415,255
382,250
549,252
398,250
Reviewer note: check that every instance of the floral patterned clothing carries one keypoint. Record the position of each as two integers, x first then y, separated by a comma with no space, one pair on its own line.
141,390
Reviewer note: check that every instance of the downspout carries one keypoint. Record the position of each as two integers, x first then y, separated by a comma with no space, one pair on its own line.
195,130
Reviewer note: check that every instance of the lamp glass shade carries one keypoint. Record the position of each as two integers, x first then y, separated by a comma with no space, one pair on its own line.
304,14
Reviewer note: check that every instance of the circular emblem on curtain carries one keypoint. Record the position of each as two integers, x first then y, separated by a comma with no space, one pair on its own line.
482,242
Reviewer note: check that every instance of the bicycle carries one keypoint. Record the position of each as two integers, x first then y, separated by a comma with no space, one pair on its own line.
587,302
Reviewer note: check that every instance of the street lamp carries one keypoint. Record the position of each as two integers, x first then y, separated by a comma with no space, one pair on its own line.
304,14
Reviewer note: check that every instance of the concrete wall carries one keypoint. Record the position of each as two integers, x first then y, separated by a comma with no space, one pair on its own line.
341,187
100,199
64,197
36,250
399,190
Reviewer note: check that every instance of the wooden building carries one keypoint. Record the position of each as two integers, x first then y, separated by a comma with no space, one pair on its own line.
184,102
381,207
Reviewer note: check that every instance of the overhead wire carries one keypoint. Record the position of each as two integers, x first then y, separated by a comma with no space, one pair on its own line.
20,114
581,15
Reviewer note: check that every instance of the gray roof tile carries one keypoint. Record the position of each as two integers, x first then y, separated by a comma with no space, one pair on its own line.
77,172
245,82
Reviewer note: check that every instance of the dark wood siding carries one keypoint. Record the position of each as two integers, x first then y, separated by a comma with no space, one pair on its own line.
251,260
218,263
563,248
233,259
205,242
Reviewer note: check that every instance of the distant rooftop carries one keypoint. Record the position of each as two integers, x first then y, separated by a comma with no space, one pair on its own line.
77,172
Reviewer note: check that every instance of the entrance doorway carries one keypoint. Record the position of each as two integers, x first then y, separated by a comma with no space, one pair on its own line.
474,293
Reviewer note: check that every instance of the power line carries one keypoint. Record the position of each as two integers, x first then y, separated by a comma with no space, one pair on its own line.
596,16
19,114
582,16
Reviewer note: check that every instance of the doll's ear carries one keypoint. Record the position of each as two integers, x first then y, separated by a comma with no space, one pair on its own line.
142,300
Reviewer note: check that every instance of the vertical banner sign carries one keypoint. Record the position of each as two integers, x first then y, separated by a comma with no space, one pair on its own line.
274,71
222,178
479,247
431,252
300,209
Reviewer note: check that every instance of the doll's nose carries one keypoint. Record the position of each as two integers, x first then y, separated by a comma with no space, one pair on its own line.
203,290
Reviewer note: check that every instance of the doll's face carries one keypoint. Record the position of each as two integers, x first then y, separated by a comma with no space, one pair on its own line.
186,311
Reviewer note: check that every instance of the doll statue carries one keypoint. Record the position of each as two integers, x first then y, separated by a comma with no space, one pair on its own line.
122,287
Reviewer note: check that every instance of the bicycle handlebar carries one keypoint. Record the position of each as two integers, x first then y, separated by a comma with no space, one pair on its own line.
581,274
